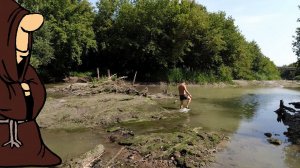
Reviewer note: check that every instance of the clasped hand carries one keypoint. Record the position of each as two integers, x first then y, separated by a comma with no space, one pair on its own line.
26,89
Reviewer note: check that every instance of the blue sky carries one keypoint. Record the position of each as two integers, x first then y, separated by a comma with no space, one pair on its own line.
271,23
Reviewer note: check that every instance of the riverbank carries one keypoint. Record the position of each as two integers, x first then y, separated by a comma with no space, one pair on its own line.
110,104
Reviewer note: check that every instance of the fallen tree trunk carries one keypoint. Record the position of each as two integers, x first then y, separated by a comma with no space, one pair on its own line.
292,120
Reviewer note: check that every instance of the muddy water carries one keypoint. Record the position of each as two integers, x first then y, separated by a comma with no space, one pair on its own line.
244,114
72,144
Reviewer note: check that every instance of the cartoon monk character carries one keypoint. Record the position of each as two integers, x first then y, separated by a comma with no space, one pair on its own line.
22,95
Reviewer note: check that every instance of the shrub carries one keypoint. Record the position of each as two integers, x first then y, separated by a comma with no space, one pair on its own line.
175,75
297,77
81,74
225,73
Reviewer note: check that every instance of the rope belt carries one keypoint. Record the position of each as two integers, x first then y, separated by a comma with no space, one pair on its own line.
13,132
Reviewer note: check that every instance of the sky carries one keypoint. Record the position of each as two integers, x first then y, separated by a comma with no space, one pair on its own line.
271,23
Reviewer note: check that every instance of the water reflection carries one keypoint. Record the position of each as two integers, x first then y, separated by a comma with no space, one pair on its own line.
280,117
249,146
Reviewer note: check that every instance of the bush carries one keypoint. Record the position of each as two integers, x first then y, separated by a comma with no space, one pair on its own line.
203,78
297,77
225,74
81,74
175,75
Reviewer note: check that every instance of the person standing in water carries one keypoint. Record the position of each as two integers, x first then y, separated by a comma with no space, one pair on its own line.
184,94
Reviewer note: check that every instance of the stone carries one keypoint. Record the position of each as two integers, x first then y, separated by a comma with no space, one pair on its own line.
269,135
274,141
198,130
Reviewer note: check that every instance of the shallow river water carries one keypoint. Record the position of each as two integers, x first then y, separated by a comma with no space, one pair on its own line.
244,114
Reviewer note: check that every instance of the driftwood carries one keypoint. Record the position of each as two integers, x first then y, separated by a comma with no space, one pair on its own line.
134,78
282,108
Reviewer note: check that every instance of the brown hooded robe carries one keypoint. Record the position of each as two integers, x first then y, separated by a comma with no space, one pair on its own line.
13,103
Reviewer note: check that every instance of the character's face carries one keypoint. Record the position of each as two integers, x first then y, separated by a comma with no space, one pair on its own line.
29,23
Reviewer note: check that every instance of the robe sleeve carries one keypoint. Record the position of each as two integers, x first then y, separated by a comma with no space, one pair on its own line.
12,101
37,90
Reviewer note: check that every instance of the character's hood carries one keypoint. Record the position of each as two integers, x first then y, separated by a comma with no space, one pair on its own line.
11,14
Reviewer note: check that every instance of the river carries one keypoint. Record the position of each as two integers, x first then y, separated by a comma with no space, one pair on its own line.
244,114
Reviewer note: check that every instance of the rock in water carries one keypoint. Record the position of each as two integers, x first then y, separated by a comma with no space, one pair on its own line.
274,141
269,135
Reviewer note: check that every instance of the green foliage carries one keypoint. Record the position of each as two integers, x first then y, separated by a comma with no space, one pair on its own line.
204,78
81,74
297,77
296,44
225,73
161,39
96,81
175,75
164,36
66,37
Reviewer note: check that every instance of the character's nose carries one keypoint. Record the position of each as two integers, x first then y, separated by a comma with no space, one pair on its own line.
31,22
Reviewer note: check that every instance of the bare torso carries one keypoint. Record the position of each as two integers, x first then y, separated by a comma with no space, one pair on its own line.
181,89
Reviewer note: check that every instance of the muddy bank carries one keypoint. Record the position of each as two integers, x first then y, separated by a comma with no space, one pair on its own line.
184,148
88,105
104,109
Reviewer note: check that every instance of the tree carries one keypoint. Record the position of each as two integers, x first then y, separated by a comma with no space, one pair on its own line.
66,37
296,44
154,37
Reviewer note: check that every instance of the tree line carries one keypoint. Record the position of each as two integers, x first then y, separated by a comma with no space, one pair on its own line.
162,40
